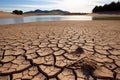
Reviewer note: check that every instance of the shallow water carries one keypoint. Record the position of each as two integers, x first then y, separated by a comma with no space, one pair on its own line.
53,18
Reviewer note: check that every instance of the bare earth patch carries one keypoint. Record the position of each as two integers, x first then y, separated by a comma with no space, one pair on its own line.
66,50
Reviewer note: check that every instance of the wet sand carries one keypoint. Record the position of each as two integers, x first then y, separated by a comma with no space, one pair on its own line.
64,50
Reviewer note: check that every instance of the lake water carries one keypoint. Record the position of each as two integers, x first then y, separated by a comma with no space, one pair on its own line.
51,18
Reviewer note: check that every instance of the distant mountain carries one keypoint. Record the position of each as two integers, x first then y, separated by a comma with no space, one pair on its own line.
38,11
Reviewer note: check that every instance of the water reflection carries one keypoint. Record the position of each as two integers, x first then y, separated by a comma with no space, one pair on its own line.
43,18
11,20
18,20
105,18
54,18
77,18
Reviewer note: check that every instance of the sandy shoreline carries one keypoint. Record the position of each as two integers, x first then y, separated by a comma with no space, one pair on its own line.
60,50
112,15
10,15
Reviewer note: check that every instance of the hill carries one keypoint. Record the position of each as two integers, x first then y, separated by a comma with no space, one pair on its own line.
55,12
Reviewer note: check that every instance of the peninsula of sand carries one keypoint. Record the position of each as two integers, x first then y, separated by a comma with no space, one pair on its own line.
11,15
60,50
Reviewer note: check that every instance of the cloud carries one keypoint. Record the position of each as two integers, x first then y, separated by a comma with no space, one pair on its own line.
68,5
47,1
102,2
31,6
11,9
74,5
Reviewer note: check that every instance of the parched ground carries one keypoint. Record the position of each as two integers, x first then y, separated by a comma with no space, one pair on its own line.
65,50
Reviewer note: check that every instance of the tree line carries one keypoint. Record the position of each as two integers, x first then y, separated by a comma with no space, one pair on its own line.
113,6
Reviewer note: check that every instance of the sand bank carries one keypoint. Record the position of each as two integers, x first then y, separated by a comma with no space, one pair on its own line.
10,15
109,15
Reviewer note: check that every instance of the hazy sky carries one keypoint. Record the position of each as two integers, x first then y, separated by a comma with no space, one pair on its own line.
68,5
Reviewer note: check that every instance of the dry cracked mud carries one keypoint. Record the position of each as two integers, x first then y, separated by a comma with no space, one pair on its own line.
60,51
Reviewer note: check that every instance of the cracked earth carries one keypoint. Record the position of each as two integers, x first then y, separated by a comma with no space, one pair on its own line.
60,51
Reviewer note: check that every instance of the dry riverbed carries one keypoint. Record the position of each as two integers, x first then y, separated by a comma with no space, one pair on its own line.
66,50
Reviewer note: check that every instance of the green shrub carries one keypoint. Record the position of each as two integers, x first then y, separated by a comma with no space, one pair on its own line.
18,12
